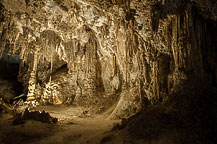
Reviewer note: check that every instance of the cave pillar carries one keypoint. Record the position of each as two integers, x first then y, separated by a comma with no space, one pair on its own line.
32,79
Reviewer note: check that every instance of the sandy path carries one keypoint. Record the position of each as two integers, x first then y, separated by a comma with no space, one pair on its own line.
73,128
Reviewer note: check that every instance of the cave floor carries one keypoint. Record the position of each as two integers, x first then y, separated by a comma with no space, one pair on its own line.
73,127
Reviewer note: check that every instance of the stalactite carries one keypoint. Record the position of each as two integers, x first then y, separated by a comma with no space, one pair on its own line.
174,43
114,65
4,36
127,41
51,68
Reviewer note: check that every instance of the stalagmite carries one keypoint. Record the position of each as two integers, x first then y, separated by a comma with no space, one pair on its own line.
116,56
32,79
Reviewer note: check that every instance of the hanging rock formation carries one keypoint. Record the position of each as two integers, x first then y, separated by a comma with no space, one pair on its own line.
88,47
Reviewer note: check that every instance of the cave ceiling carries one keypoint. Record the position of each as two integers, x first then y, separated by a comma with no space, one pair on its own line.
106,46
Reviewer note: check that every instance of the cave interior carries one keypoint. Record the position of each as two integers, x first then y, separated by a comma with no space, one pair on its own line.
108,71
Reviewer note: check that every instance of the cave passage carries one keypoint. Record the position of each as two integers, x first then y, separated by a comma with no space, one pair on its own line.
10,87
108,71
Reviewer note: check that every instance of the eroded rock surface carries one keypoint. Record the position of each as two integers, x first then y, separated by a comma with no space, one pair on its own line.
109,46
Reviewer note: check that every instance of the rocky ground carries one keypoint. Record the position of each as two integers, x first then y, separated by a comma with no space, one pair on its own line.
73,127
185,117
152,61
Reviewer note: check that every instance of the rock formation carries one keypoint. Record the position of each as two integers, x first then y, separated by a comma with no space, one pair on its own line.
75,50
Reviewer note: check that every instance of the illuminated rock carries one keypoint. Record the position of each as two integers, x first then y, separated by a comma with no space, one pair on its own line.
108,46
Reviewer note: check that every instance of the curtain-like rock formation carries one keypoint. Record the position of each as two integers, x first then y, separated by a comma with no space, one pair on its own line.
109,46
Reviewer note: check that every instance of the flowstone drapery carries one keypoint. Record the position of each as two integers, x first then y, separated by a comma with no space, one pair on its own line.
107,47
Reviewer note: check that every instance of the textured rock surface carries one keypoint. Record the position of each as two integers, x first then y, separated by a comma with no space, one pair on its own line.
109,46
128,104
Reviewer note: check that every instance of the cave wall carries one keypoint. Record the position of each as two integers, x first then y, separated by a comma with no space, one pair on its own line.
109,46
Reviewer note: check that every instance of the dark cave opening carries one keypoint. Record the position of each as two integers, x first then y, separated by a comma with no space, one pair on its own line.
10,86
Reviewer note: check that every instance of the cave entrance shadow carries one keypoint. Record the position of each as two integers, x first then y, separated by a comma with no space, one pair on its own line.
9,70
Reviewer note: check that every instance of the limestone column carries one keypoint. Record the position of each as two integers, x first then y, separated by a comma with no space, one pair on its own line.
32,79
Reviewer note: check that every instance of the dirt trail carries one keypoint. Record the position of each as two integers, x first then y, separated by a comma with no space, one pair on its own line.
73,128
